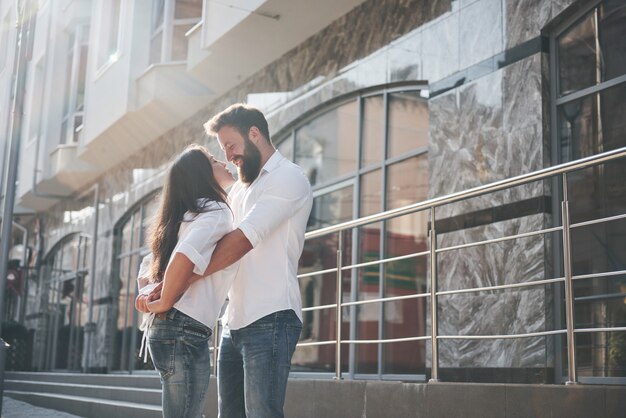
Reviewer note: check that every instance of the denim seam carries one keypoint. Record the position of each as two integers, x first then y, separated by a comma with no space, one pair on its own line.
275,364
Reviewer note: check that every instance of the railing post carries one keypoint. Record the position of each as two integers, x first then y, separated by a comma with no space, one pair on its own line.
339,302
433,299
216,342
572,378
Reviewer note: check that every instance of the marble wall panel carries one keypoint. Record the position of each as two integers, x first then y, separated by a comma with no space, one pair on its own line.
524,20
440,48
559,5
480,31
512,311
405,58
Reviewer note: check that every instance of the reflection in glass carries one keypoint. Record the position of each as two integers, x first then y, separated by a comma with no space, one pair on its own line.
331,208
59,344
373,125
368,287
593,124
371,193
408,123
577,56
321,325
179,42
188,9
612,15
326,146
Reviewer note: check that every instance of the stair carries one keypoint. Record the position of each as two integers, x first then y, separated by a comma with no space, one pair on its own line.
88,395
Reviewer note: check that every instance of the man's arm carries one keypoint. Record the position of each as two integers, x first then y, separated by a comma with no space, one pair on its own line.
230,249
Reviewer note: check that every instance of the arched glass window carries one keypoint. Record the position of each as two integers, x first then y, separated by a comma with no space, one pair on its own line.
130,247
63,305
365,155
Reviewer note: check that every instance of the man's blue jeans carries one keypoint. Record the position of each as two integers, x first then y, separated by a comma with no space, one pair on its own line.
179,347
254,364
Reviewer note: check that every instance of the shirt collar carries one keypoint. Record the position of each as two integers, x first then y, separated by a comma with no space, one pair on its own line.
273,162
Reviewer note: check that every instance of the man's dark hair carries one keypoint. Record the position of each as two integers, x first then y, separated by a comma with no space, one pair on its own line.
241,117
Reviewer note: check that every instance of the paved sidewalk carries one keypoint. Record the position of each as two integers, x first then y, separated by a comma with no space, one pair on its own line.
18,409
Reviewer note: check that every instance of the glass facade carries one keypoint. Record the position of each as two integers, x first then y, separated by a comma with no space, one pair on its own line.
62,297
363,156
590,108
130,247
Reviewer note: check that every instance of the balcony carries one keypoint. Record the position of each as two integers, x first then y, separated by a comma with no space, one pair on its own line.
237,39
163,97
66,173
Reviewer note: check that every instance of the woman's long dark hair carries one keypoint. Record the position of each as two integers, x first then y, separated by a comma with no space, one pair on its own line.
189,178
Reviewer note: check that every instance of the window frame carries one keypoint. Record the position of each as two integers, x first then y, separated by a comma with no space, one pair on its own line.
560,361
354,179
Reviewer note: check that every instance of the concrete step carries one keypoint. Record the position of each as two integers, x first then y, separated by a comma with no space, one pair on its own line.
113,393
146,381
86,406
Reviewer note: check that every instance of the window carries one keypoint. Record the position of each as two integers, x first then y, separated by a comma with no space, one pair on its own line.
589,76
130,247
365,155
5,31
109,37
171,20
74,96
36,101
63,303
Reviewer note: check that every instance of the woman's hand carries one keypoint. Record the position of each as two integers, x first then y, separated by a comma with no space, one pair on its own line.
141,303
159,306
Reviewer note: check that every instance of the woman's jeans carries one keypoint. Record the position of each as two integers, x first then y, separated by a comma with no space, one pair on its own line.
254,364
179,347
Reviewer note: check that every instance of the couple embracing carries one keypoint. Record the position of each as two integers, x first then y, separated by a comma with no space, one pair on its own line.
206,244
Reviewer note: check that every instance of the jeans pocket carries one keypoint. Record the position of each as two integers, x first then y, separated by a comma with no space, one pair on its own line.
196,330
163,353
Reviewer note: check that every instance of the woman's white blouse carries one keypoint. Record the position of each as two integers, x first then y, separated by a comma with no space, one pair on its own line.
197,237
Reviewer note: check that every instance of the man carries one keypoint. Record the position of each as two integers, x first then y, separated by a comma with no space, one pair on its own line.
271,203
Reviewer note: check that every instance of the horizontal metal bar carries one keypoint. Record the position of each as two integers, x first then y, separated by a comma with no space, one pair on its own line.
597,221
476,191
316,273
599,275
503,286
385,260
391,340
596,88
506,336
333,342
610,329
390,299
494,240
318,308
603,296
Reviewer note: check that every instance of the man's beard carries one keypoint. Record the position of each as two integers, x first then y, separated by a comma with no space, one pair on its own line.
250,167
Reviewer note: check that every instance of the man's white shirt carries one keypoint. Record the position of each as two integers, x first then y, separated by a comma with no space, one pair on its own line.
272,213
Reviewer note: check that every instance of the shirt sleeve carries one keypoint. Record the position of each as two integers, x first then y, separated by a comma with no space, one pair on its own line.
284,194
143,277
201,236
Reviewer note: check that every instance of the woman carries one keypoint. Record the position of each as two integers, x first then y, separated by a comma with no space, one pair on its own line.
192,217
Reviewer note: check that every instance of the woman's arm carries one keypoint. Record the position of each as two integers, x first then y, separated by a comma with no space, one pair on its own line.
177,279
142,282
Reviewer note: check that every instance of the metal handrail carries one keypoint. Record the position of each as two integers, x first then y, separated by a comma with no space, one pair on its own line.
430,205
476,191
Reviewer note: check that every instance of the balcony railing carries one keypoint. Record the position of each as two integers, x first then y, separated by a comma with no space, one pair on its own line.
432,252
431,205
